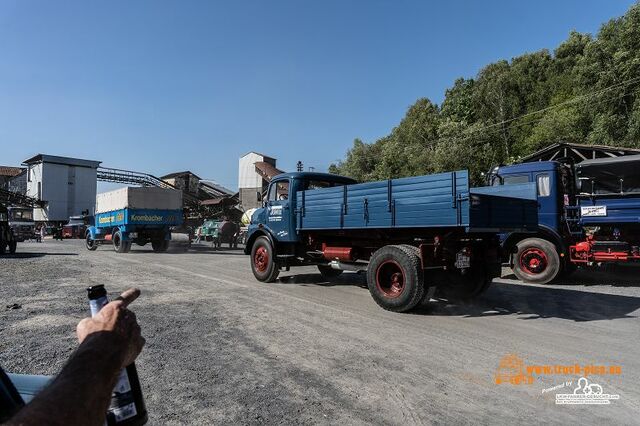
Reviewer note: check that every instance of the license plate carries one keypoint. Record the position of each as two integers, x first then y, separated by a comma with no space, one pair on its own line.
462,261
133,235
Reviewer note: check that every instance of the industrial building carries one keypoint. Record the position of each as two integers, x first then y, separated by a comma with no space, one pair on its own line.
13,179
67,184
255,171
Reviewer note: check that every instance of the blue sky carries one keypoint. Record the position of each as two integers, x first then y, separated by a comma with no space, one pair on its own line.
162,86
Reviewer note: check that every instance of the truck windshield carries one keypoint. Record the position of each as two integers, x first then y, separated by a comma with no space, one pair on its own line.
21,214
318,184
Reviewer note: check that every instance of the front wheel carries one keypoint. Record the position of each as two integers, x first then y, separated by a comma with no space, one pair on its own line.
536,261
263,262
395,278
90,243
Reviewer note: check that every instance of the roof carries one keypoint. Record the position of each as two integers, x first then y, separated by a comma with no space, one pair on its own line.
266,170
54,159
317,175
176,174
257,153
229,201
11,171
578,152
215,186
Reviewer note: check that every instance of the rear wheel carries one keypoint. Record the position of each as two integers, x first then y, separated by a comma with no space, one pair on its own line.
328,272
263,262
119,245
536,261
395,278
462,285
160,246
90,242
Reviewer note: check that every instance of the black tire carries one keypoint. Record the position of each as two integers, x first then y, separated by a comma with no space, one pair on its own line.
328,273
3,246
90,243
457,286
118,245
263,262
160,246
395,278
536,261
429,287
13,245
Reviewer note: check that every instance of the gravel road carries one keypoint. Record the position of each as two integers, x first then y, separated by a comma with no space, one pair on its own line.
223,348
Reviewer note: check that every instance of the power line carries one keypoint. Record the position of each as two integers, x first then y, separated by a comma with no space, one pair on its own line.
470,132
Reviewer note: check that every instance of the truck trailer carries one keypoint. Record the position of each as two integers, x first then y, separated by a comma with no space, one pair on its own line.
137,215
589,216
411,235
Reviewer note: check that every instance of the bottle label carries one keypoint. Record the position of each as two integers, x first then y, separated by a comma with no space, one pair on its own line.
96,304
123,405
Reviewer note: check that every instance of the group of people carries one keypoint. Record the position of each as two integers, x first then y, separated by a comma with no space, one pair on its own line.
41,232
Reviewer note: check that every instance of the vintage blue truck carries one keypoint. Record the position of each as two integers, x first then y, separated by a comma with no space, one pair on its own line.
137,215
589,215
410,235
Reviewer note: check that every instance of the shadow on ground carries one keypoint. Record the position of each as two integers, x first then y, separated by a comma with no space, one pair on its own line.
346,279
527,302
531,302
33,254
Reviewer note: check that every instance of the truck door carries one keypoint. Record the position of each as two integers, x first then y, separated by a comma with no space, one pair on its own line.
280,212
549,205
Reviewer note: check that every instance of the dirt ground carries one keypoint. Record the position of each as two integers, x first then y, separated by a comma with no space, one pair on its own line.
223,348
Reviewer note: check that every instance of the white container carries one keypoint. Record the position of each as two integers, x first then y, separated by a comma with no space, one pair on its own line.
144,197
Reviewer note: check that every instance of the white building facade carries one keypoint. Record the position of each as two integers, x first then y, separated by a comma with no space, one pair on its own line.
255,170
68,185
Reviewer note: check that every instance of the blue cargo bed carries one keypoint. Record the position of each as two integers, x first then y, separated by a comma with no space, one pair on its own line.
439,200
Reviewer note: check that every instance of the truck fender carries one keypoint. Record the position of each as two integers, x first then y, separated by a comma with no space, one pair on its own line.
91,230
254,236
544,232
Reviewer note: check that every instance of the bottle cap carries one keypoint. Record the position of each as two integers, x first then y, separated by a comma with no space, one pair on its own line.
96,292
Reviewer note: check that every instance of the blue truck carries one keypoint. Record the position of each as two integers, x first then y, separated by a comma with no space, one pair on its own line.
589,216
137,215
410,235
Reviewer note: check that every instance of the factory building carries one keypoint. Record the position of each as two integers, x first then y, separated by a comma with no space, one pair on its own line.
255,171
13,179
67,184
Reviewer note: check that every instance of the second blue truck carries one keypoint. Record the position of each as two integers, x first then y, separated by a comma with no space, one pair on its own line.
411,235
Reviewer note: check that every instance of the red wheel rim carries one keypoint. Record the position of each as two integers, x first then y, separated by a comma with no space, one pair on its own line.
390,279
261,259
533,261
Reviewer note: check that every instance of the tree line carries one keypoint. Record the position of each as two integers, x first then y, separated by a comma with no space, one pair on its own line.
586,91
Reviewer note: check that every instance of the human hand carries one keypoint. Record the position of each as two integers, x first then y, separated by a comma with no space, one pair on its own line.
117,321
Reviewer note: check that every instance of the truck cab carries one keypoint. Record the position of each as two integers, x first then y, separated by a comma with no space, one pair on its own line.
277,217
541,257
21,223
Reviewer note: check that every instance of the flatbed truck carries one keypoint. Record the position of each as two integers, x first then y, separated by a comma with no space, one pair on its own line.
137,215
411,235
589,216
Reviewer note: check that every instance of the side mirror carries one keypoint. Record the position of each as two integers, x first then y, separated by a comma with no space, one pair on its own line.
258,196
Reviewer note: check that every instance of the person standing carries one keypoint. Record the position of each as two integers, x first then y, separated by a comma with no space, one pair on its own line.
198,234
41,233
